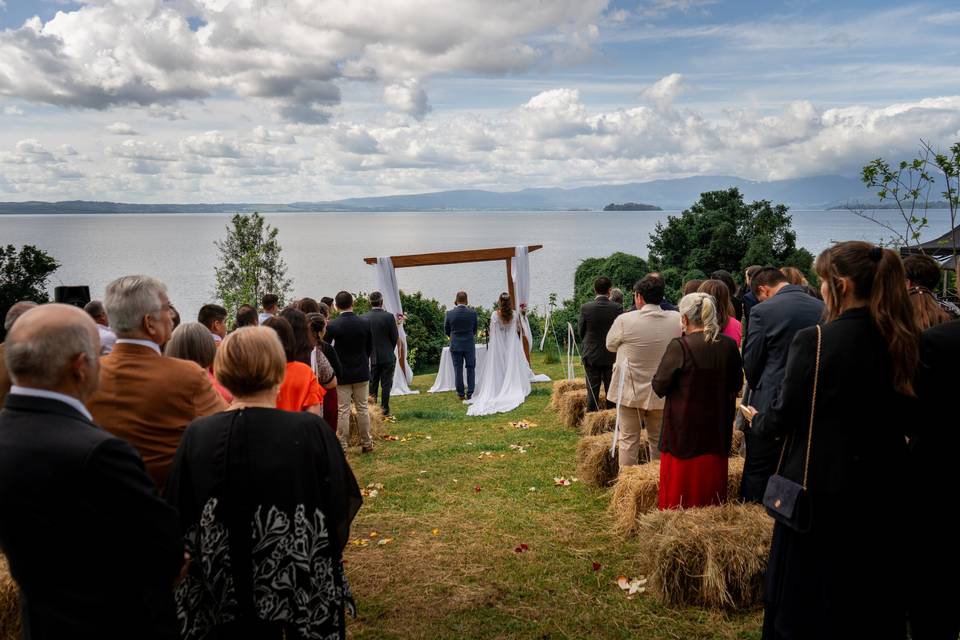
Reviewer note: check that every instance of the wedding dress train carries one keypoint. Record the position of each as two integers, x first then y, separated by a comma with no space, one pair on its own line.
505,382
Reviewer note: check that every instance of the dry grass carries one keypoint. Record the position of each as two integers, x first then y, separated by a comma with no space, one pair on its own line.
375,412
597,422
595,466
709,557
736,444
9,604
560,387
572,406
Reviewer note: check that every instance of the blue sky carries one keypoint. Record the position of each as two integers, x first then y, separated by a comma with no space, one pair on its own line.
213,100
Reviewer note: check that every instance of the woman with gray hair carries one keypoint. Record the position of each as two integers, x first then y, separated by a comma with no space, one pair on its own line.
192,341
700,376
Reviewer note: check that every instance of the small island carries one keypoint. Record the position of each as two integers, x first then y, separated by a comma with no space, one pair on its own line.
631,206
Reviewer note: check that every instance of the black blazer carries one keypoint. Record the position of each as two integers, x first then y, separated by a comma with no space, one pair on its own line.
350,335
91,544
935,434
773,324
595,321
384,336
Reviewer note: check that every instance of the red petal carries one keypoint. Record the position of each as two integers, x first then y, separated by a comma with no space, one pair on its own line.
518,550
477,488
596,566
524,546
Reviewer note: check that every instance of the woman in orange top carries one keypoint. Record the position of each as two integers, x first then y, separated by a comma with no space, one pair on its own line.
300,390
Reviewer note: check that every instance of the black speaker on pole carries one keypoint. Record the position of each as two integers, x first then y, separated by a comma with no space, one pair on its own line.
77,296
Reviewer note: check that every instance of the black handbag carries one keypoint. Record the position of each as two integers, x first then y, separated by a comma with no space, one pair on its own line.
786,501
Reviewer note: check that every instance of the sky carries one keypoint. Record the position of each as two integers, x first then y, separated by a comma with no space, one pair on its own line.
312,100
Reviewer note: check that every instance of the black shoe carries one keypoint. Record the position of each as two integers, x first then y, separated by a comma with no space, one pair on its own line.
461,396
469,396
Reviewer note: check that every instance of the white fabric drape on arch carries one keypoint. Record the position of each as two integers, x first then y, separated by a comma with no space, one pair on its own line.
386,283
520,273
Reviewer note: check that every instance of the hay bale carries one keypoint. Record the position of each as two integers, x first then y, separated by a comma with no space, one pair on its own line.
595,466
712,557
736,444
597,422
637,492
375,412
9,603
572,406
560,387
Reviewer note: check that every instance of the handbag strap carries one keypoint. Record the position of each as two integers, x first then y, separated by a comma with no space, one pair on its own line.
813,406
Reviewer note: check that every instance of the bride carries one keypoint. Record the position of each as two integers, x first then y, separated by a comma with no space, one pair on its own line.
505,382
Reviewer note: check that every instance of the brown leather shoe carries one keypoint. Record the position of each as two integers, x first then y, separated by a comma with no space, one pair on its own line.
367,449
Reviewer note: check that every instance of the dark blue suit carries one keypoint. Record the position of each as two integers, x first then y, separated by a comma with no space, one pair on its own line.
460,325
773,324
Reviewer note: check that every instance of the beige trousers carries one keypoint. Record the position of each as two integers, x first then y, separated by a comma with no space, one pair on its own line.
356,394
632,423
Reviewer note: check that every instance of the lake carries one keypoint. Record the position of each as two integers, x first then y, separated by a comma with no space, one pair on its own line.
325,251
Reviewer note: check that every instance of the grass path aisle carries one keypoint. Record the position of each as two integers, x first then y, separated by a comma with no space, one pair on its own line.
439,555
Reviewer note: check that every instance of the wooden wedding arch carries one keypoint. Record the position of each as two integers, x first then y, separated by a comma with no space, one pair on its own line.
460,257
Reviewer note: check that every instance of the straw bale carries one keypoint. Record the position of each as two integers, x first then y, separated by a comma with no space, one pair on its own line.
560,387
572,406
713,557
736,444
375,412
595,466
597,422
9,603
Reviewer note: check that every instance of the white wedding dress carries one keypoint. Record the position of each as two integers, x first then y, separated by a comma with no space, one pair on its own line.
505,382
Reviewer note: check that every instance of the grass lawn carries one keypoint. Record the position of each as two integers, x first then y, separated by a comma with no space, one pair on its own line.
455,514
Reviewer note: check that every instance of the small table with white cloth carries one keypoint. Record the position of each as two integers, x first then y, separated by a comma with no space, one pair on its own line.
445,376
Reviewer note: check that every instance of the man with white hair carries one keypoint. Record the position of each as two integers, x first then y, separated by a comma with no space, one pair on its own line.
91,544
144,397
99,314
17,310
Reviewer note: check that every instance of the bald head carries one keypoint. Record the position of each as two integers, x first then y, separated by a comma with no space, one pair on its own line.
17,310
55,347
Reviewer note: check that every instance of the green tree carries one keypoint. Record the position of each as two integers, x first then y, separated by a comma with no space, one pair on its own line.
424,327
721,231
23,276
250,263
623,270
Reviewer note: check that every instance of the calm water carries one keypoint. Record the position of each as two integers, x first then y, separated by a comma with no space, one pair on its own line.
325,251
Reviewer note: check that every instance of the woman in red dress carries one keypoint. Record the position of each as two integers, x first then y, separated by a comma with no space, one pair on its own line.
700,376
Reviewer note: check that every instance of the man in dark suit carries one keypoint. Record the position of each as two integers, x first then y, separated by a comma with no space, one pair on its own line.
352,340
383,358
92,546
595,321
460,325
783,309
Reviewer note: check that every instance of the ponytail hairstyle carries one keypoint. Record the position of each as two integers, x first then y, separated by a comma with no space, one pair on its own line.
505,307
721,295
926,312
700,310
878,278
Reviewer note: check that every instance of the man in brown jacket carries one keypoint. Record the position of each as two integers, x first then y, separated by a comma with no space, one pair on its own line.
144,397
640,339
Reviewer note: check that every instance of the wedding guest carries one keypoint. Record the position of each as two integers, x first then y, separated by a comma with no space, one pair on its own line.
326,366
665,304
328,301
699,377
729,326
300,390
746,295
146,398
640,339
175,317
691,286
933,446
593,325
191,341
308,305
350,335
214,318
383,356
460,325
323,309
247,316
795,276
266,499
14,312
616,295
93,548
783,310
826,581
923,274
727,279
269,303
303,340
108,338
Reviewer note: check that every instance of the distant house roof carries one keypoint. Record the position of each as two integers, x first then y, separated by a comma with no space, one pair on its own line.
940,248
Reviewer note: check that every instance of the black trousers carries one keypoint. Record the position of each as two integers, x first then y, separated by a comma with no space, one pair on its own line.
763,454
596,376
381,377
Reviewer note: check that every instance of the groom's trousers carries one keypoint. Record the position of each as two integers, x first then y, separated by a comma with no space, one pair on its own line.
461,358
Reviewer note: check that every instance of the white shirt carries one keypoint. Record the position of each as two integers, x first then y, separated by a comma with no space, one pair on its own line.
51,395
216,338
107,339
264,316
143,343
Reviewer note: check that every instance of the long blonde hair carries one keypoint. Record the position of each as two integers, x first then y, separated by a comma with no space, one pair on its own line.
700,310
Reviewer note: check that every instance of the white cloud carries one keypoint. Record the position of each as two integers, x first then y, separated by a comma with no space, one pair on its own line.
407,97
12,110
665,90
122,129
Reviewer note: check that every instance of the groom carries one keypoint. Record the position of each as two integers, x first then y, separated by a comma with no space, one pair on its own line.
460,325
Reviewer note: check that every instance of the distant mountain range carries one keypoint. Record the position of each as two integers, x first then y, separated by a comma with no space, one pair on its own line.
818,192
